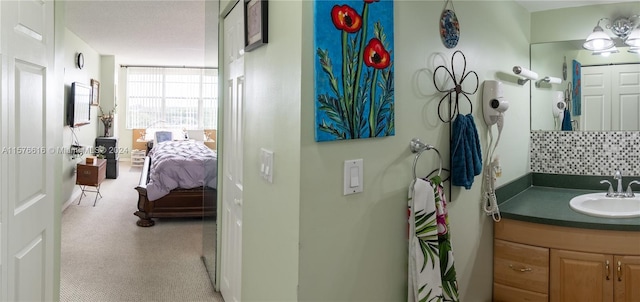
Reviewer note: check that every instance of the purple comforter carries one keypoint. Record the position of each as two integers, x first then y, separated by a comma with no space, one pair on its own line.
181,164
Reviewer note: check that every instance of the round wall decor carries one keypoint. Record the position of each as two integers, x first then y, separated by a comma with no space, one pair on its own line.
449,26
80,60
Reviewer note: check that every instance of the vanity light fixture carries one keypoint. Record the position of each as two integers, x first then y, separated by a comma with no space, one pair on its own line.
598,40
624,28
633,40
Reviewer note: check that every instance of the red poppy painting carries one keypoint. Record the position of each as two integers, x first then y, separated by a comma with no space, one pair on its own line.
353,69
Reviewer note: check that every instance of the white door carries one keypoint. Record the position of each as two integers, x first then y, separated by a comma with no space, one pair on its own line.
625,95
611,97
231,258
29,117
596,98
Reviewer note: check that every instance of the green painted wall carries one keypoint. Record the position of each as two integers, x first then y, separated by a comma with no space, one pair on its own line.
353,248
303,240
272,110
85,134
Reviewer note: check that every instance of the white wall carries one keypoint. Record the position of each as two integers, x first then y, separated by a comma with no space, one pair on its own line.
125,136
353,248
108,87
85,134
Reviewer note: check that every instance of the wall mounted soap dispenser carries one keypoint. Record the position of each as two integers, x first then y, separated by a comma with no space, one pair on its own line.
493,102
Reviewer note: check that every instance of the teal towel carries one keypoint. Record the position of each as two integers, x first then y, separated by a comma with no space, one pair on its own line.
466,153
566,121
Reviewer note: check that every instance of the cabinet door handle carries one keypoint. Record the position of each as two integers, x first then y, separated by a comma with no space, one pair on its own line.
606,267
521,269
619,271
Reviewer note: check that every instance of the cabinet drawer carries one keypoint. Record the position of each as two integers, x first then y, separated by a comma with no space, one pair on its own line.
503,293
521,266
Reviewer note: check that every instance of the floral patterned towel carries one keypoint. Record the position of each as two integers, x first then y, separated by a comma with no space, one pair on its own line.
432,275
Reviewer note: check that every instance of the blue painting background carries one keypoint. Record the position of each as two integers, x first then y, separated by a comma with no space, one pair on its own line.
576,107
328,37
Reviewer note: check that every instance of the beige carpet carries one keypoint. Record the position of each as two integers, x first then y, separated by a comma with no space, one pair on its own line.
106,257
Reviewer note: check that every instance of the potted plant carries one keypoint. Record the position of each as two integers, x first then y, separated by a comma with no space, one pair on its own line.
107,120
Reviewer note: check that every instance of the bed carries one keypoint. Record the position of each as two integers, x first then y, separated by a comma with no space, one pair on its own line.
176,180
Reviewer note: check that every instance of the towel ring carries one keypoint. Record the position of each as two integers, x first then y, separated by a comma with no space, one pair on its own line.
418,147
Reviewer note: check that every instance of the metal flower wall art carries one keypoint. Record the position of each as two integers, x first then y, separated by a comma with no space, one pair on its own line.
353,69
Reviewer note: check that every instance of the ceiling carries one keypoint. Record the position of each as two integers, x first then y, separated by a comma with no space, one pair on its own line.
172,32
149,33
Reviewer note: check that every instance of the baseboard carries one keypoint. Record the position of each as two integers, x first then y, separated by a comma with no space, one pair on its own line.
74,196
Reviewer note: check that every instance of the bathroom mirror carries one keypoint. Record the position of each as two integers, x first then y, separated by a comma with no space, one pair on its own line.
547,60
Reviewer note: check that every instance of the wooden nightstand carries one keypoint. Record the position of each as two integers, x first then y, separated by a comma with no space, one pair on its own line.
211,144
91,175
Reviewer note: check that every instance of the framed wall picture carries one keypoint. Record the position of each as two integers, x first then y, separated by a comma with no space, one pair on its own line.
255,24
95,92
354,69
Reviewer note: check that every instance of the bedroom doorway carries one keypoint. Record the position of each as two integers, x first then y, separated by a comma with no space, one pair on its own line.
232,178
159,18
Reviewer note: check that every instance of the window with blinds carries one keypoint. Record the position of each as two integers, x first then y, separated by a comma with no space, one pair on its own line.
186,97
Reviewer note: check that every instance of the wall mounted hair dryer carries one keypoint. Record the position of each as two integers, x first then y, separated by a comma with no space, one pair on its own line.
557,104
493,102
493,107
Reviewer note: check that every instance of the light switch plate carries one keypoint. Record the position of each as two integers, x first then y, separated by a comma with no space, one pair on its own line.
266,164
353,176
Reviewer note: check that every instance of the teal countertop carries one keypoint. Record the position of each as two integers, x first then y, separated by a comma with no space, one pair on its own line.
551,206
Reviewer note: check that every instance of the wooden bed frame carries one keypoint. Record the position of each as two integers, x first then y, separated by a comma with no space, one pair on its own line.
178,203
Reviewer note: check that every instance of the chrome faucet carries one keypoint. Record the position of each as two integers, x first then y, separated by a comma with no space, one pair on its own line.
618,176
629,192
610,190
619,193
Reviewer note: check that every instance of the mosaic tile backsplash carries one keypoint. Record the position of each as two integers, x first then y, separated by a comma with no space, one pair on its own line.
585,152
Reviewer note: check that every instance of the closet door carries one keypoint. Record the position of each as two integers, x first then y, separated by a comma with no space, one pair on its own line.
610,98
596,98
232,156
29,120
625,96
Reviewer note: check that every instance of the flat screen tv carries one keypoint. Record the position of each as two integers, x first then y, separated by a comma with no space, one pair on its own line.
79,106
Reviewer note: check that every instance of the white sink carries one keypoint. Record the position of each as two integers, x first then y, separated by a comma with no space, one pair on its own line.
598,204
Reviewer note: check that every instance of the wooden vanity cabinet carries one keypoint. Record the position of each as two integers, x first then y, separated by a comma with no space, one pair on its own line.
582,264
577,276
521,272
627,284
